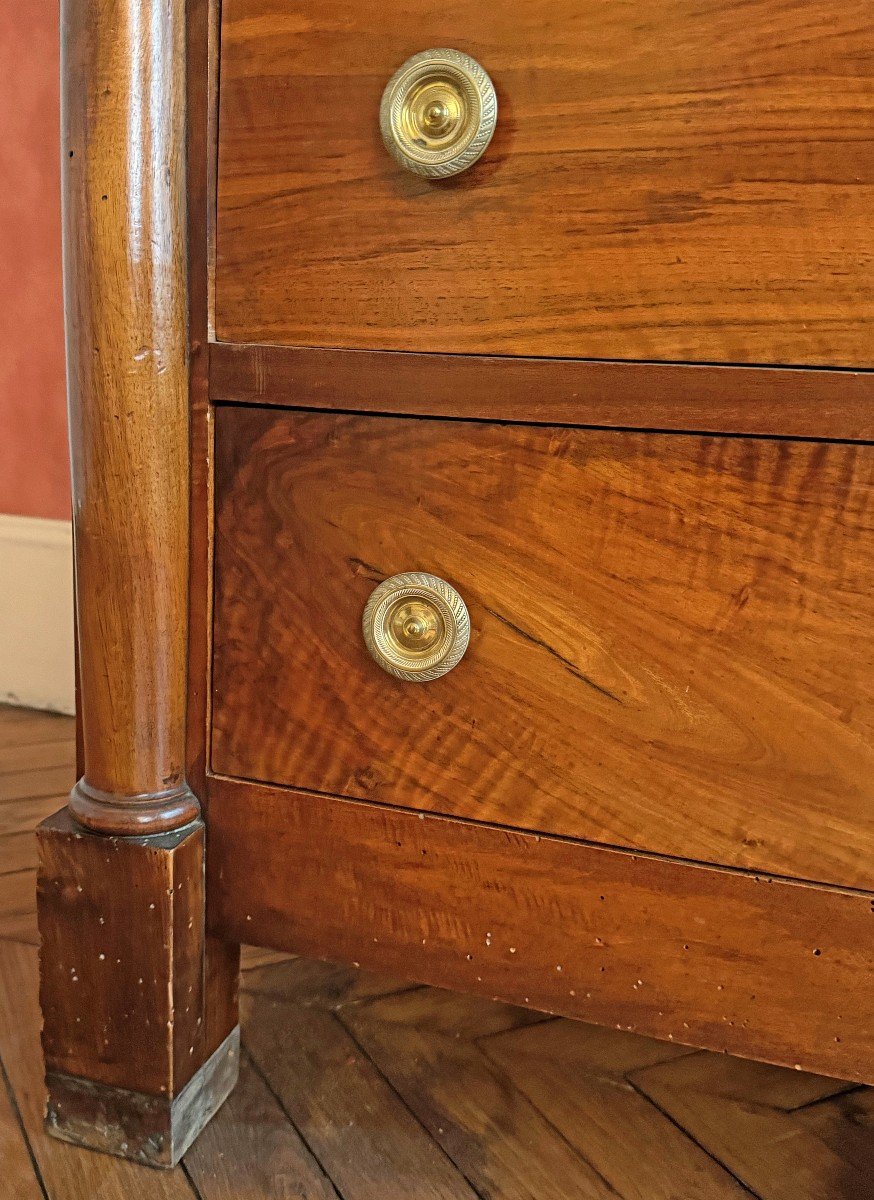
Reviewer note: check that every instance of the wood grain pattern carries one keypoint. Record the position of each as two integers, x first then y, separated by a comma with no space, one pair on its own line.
18,850
202,44
707,957
429,1052
671,635
252,958
66,1171
131,998
222,958
669,180
581,1078
252,1151
753,400
21,727
328,985
451,1060
125,918
38,757
36,773
845,1124
36,784
588,1081
347,1113
17,906
18,1173
125,306
123,949
762,1143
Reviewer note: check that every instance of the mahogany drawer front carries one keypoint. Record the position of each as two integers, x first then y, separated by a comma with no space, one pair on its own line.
671,644
667,181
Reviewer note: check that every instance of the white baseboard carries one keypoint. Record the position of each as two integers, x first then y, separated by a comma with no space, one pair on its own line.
36,613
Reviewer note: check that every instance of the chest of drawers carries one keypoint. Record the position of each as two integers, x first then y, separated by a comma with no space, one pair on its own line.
525,432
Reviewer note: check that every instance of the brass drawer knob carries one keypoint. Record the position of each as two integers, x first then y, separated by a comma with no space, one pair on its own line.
416,626
438,113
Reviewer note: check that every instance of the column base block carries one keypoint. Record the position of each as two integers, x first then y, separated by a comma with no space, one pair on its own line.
153,1130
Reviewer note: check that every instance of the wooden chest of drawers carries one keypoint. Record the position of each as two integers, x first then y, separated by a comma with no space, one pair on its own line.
611,384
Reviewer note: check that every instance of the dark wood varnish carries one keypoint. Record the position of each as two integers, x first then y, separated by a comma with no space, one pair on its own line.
125,295
221,958
750,965
137,1002
669,180
202,97
512,1098
121,920
672,635
752,400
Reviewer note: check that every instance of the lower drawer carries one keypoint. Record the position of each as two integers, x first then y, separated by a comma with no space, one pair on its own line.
671,635
738,963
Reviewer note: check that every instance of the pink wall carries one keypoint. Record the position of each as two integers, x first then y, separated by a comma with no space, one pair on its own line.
33,430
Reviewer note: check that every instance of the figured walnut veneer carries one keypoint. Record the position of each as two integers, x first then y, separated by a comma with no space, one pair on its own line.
671,635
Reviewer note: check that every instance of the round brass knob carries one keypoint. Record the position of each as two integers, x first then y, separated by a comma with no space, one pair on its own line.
416,626
438,113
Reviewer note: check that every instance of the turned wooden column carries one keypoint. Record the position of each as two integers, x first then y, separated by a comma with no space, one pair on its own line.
123,146
139,1007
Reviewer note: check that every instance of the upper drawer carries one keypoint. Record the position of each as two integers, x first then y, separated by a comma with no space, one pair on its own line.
668,180
671,644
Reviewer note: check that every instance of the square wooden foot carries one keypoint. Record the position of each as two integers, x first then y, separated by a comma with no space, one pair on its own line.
154,1130
139,1008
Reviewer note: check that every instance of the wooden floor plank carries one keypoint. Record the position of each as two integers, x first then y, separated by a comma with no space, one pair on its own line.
24,785
449,1014
23,816
69,1172
575,1075
423,1042
39,756
364,1136
26,727
846,1124
326,985
18,907
18,860
16,1169
742,1079
18,820
18,852
253,957
251,1150
746,1116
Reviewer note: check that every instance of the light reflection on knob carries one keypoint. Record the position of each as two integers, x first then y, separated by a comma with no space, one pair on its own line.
438,113
416,626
